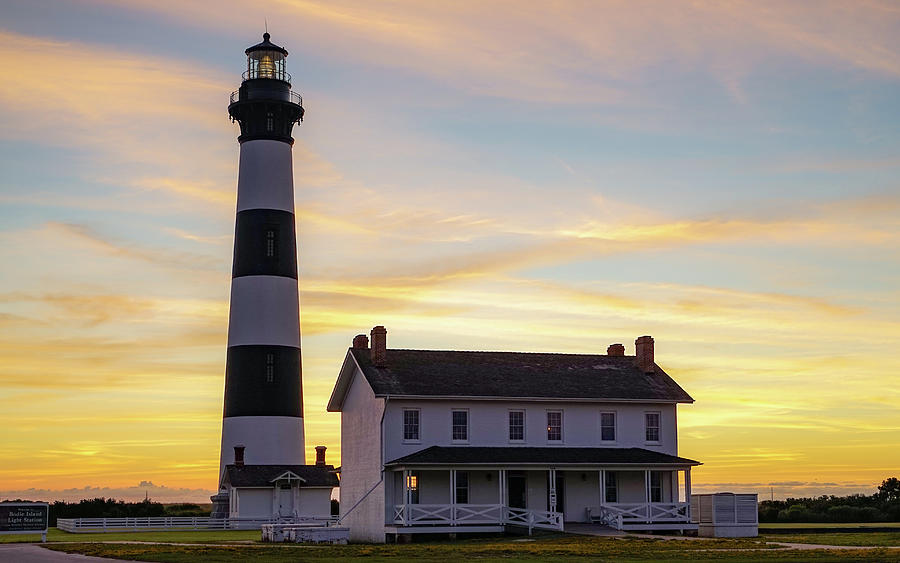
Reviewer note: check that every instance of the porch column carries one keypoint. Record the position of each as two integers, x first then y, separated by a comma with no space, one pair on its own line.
501,479
405,488
552,504
673,482
602,487
452,497
647,491
275,511
687,490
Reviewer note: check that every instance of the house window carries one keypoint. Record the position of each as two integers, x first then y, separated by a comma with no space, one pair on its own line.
655,486
651,425
271,243
554,426
612,489
411,425
270,368
608,426
462,487
460,426
412,486
516,426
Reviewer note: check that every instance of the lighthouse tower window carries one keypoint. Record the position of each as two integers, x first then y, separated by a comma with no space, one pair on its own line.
270,121
271,243
270,368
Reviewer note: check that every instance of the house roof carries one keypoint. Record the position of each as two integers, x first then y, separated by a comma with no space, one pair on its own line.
464,455
448,373
263,475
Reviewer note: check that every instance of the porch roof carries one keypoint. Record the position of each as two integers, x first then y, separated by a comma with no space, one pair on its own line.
464,455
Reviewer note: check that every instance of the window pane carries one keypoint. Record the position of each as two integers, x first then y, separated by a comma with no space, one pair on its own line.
410,425
516,425
608,426
652,426
460,430
655,487
554,426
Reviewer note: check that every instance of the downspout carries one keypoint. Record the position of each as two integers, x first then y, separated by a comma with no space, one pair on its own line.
380,481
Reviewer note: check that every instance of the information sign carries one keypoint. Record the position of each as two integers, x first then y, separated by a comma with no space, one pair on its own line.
24,518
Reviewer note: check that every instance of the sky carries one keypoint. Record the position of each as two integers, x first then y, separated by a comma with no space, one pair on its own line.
547,177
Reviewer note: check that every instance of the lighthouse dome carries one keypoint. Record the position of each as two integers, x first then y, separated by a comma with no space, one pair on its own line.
266,60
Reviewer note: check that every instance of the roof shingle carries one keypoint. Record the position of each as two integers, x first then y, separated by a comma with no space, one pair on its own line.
447,373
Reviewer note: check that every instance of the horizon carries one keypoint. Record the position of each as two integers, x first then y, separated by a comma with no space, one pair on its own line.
473,177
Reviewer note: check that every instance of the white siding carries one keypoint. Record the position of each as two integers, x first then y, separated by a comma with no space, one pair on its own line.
361,462
489,424
254,503
315,501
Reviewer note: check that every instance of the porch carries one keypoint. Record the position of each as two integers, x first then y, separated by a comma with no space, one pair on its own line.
480,498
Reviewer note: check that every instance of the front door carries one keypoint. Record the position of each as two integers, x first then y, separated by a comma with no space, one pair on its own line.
517,489
285,501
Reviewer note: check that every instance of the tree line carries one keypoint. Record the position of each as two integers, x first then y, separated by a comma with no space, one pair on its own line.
883,506
102,507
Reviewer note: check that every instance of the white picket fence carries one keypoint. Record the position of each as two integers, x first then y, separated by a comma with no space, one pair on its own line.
188,523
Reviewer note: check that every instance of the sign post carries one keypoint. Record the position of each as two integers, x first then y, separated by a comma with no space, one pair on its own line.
25,518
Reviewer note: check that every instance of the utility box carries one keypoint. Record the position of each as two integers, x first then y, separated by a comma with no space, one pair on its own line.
726,515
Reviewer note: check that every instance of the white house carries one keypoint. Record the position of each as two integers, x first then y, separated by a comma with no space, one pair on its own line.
449,441
278,492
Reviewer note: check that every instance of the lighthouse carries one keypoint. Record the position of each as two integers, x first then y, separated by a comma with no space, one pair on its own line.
263,413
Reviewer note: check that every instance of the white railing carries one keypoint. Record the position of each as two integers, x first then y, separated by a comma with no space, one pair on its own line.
618,514
463,514
533,518
136,524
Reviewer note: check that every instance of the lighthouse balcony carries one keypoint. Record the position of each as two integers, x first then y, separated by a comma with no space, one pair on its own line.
292,97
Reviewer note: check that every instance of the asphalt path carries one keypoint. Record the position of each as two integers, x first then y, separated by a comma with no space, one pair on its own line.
28,553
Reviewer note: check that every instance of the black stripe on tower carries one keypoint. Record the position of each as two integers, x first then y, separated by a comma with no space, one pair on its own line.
266,109
264,244
263,380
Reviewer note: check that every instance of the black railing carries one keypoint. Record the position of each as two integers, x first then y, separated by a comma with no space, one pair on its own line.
294,98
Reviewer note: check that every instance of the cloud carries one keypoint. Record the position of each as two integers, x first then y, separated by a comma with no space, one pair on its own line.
158,493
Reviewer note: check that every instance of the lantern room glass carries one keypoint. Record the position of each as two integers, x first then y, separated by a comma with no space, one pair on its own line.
266,64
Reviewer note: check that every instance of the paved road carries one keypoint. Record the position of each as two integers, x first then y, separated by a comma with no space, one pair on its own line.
26,553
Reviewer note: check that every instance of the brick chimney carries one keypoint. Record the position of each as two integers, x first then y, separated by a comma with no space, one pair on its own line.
360,342
643,352
320,456
615,350
379,346
239,456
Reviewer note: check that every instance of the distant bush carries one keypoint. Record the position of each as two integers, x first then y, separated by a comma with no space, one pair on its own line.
186,509
883,506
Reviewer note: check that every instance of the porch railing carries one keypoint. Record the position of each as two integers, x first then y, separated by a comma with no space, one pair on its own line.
463,514
617,515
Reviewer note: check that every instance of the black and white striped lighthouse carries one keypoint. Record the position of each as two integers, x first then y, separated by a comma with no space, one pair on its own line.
263,388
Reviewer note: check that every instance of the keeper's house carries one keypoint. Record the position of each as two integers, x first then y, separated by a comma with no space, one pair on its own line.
448,441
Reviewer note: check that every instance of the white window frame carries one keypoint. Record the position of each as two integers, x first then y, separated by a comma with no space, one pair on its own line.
562,433
403,426
468,425
524,427
615,426
658,427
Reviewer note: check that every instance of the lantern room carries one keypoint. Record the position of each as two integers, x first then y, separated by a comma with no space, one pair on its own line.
266,60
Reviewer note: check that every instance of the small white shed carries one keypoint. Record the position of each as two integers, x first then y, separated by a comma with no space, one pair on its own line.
726,515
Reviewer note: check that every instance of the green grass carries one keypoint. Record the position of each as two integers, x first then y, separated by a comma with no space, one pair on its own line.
213,536
506,550
830,525
839,538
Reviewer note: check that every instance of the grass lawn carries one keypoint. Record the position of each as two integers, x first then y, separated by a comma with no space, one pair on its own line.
506,550
831,525
213,536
